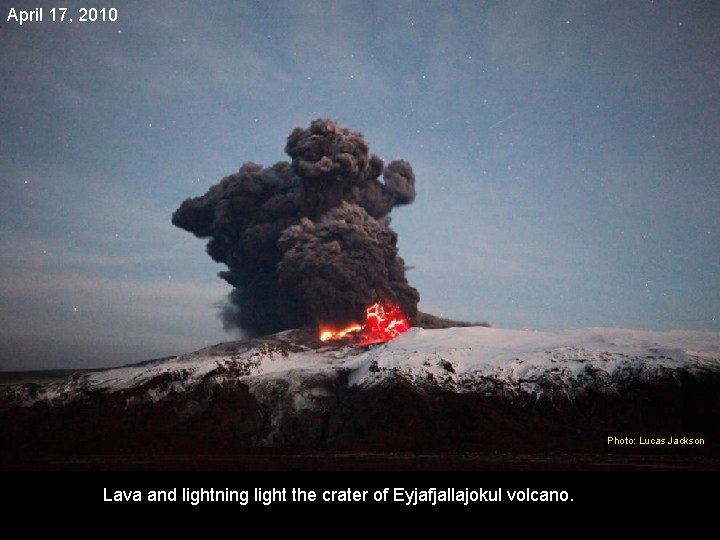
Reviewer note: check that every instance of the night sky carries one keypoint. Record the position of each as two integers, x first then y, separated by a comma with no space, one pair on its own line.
566,156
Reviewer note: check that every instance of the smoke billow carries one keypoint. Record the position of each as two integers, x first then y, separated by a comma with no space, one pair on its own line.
309,241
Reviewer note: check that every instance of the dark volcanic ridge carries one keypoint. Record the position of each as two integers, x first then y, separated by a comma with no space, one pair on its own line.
456,390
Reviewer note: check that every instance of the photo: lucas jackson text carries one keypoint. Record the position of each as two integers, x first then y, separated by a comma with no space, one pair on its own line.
670,440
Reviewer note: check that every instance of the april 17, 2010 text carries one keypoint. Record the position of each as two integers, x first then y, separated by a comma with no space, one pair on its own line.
61,15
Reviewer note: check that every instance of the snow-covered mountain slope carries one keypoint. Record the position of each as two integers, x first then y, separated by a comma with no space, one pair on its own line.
462,387
457,359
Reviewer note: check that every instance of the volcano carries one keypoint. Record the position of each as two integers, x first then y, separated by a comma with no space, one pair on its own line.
503,397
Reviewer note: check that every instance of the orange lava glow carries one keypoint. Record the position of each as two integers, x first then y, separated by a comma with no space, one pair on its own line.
326,334
383,322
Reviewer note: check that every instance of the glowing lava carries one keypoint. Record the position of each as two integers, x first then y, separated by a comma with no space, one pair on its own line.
383,322
327,335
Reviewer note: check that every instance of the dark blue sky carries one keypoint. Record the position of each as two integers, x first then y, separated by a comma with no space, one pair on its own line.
565,153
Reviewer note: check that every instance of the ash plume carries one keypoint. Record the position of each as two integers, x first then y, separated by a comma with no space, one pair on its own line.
307,241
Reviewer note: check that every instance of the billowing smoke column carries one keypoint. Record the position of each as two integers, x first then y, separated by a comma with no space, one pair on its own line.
307,242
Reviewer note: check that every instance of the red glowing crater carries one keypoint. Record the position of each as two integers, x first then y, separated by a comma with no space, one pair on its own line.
383,322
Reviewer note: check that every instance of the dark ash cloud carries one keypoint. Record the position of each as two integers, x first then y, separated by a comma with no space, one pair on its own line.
309,241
